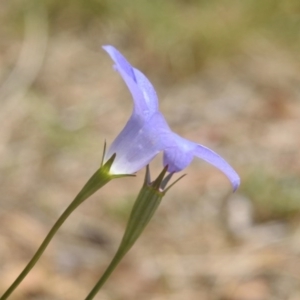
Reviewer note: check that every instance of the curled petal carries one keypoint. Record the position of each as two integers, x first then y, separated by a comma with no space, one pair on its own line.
142,91
148,91
120,61
179,153
217,161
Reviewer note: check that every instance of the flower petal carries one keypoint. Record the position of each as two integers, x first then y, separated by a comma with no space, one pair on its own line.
142,91
148,90
178,152
120,61
137,144
217,161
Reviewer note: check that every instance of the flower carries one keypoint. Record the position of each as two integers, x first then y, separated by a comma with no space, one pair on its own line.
147,132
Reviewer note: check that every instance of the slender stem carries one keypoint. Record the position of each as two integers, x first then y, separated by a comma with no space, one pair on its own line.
117,258
99,179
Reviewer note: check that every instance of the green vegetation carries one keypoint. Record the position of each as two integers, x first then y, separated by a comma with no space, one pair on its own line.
175,36
273,197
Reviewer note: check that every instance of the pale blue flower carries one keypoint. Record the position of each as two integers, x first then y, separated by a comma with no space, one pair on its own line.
147,132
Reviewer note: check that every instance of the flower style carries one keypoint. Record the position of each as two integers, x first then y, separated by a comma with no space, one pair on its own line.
147,132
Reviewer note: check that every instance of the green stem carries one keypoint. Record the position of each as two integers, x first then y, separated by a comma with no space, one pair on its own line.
145,206
117,258
99,179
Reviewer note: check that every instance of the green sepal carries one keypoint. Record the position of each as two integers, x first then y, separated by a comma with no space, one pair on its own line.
156,184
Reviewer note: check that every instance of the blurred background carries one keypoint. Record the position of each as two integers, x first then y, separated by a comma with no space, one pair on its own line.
227,73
